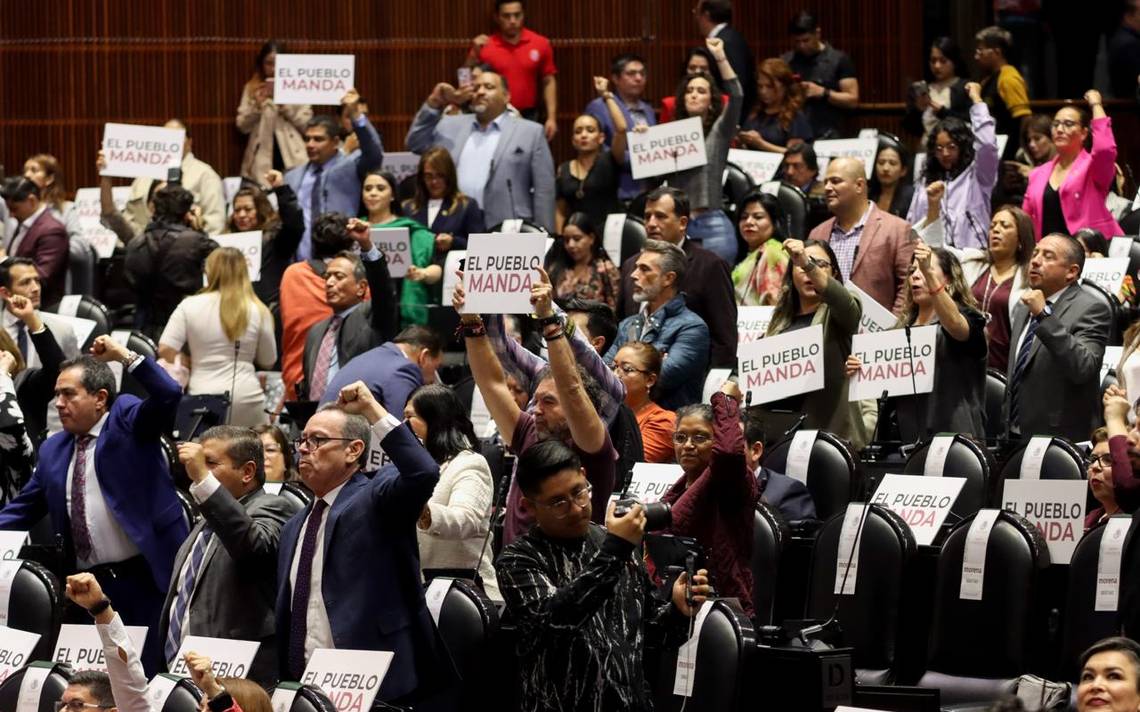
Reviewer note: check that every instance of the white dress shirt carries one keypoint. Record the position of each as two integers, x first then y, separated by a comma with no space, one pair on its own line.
12,326
434,206
318,630
478,157
124,668
1048,300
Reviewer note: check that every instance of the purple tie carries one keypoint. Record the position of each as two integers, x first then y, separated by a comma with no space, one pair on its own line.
80,534
298,622
323,364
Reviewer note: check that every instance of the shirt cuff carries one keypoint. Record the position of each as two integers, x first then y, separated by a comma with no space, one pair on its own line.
135,364
385,425
360,121
113,635
42,329
206,488
370,256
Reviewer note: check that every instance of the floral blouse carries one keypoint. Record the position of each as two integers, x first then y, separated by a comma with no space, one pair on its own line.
601,284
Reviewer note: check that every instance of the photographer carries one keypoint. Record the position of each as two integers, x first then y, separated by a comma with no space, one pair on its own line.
579,594
714,500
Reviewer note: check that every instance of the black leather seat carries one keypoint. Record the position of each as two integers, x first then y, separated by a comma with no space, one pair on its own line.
50,692
870,618
1083,624
633,237
527,226
183,697
308,698
995,394
1099,292
81,260
736,184
965,458
189,510
727,639
796,208
468,621
143,345
979,648
35,605
91,308
769,536
832,478
300,495
1062,461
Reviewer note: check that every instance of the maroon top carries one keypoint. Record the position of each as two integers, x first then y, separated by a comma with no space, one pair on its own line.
993,299
717,509
1127,485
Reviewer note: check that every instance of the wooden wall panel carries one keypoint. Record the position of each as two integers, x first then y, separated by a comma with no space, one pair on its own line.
68,70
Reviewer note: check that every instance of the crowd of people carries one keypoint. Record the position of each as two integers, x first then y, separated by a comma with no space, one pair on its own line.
374,427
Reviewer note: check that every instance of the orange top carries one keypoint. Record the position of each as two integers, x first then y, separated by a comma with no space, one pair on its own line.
302,305
657,425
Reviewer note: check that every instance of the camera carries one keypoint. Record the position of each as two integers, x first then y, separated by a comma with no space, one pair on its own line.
174,176
658,515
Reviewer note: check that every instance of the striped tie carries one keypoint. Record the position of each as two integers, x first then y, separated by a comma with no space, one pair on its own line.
323,363
185,590
1019,371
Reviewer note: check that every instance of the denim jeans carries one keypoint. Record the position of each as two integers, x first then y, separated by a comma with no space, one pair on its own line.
716,234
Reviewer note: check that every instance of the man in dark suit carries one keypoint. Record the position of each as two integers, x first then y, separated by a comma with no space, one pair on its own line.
707,284
393,370
713,19
225,574
788,495
355,326
105,483
38,236
361,588
1056,347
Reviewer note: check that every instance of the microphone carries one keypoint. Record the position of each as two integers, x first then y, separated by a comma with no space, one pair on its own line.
834,619
500,495
511,195
233,383
796,425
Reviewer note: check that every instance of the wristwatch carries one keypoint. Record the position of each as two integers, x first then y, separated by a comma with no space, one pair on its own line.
544,321
99,607
1046,311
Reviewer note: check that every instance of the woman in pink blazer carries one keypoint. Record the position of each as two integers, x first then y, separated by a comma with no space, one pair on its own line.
1068,193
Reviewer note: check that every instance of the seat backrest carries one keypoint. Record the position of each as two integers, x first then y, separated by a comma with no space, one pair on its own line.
308,698
769,535
795,205
143,345
1083,624
832,477
726,641
1103,295
35,605
525,226
736,184
965,458
1062,461
467,623
294,491
81,261
995,394
93,309
50,691
183,697
870,617
996,636
189,511
633,237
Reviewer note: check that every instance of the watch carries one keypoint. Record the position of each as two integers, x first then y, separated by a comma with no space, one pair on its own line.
99,607
544,321
1046,311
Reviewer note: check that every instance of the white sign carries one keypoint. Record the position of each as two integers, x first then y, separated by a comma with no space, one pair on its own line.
141,151
687,655
1108,563
1107,272
510,225
159,689
772,188
875,316
847,558
892,365
275,487
714,382
1033,456
1119,247
1111,360
248,244
935,465
752,323
451,264
283,696
921,502
8,571
435,595
15,649
974,555
230,186
761,166
500,270
799,454
1002,140
611,236
11,542
401,164
121,337
82,327
862,148
783,365
1056,507
868,133
480,416
89,208
81,647
650,481
229,658
350,678
313,78
32,688
667,148
396,245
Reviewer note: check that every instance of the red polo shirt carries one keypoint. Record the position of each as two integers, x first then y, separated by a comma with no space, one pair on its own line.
521,64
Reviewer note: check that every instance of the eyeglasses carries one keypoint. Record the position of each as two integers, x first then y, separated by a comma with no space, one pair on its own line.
946,148
561,507
1103,461
627,369
316,442
78,706
697,438
1067,124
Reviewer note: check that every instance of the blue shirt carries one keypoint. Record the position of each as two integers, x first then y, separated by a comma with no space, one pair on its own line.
309,183
639,113
474,165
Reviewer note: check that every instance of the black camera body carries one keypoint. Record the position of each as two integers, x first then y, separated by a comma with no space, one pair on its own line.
658,515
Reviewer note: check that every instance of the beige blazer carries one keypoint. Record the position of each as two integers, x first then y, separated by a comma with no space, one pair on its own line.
284,123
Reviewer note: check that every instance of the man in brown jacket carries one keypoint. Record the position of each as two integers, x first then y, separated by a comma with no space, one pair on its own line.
874,248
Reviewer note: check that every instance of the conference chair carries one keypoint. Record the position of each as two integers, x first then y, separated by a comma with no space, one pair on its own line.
189,510
81,261
183,697
443,319
307,698
832,477
770,534
467,623
51,688
633,237
143,345
35,605
1083,625
796,208
1099,292
88,307
995,394
296,492
526,226
979,648
1062,461
406,190
965,458
871,618
736,184
719,681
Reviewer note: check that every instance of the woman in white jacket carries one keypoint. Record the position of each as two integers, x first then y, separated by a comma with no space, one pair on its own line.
454,524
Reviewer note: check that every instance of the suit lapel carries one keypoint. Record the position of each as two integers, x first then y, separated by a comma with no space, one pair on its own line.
870,232
506,128
342,501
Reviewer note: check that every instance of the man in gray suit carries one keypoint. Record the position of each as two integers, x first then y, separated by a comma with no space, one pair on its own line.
503,162
1056,347
225,575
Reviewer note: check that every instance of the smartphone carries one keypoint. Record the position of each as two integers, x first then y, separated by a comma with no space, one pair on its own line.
463,75
174,176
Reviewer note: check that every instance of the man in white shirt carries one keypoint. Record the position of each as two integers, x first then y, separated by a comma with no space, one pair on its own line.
348,568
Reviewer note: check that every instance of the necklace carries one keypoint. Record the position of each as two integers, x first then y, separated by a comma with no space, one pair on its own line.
992,286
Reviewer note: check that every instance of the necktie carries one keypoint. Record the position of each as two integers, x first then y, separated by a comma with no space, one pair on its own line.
185,591
80,534
298,621
22,339
324,359
1019,371
315,196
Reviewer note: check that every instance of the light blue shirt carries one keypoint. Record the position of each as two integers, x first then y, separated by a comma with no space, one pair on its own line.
305,198
477,158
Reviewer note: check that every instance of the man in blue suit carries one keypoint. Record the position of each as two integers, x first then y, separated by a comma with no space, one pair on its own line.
786,494
105,483
330,182
359,587
503,162
392,370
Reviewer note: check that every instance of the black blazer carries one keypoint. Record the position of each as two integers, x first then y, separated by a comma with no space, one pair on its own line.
457,222
739,55
36,386
278,248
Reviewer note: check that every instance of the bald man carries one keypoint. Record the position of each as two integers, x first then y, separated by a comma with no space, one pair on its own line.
874,248
198,177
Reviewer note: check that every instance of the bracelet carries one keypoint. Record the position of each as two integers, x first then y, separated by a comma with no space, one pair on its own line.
545,321
941,288
556,335
99,607
472,330
826,94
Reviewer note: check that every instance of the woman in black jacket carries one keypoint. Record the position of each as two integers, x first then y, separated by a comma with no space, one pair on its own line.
281,230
